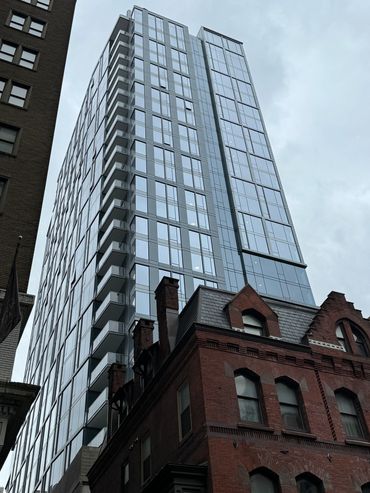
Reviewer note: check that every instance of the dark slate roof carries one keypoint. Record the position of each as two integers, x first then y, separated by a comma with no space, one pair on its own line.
207,306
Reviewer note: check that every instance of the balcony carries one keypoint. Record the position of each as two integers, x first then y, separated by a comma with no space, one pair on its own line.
118,190
109,339
98,411
114,255
99,376
116,231
111,308
114,280
117,171
118,209
99,438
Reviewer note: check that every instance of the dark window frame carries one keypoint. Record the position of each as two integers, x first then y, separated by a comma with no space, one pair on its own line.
312,479
26,26
255,379
267,473
299,406
360,419
16,140
185,413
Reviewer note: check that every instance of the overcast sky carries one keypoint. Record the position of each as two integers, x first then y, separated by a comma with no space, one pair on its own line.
311,67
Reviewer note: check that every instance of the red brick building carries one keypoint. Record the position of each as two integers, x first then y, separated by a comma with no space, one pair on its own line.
241,394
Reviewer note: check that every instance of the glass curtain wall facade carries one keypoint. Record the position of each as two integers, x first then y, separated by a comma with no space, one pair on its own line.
169,172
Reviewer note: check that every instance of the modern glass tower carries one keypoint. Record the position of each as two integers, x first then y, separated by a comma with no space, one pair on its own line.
169,172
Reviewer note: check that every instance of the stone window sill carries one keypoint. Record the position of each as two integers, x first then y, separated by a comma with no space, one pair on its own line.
255,426
299,434
359,443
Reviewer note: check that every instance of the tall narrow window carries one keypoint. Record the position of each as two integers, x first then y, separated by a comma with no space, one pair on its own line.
350,413
125,475
145,459
290,408
248,399
341,337
183,402
360,341
264,482
308,483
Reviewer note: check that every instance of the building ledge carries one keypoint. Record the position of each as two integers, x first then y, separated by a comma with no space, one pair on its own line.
299,434
255,426
359,443
15,401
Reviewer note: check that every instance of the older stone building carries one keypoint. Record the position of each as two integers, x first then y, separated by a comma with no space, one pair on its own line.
34,37
241,394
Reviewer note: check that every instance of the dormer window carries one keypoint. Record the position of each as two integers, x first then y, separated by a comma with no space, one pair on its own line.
341,337
360,341
252,324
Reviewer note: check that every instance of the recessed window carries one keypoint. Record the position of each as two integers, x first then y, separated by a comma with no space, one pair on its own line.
264,482
290,408
18,21
18,95
125,477
2,86
7,51
351,415
27,24
8,138
308,483
27,58
42,4
183,402
252,324
341,337
248,399
360,341
3,187
145,459
365,488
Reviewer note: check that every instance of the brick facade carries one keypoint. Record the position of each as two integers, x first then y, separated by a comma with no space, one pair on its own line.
208,358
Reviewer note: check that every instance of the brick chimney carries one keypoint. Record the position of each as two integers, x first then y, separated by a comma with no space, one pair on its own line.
143,336
116,380
167,314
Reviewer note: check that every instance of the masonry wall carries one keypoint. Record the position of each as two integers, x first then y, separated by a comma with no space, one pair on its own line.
26,170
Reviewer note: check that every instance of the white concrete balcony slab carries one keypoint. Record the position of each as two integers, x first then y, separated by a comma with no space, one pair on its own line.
109,339
118,209
99,438
117,171
111,308
114,280
115,254
99,376
98,411
116,231
118,190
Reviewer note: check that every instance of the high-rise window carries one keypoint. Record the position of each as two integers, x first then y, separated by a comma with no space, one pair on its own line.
27,58
160,102
18,95
169,245
185,111
7,51
166,201
201,253
192,171
196,209
164,164
162,131
182,85
158,76
27,24
179,61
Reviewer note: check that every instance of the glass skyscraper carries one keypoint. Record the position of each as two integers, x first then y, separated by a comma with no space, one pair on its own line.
169,172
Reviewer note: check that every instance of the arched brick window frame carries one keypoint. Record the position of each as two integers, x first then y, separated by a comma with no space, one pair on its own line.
350,410
250,396
263,480
292,409
365,488
352,338
308,482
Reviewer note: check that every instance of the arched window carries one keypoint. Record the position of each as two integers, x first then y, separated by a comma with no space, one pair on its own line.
308,483
341,337
365,488
247,389
264,481
290,406
350,413
253,324
360,341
